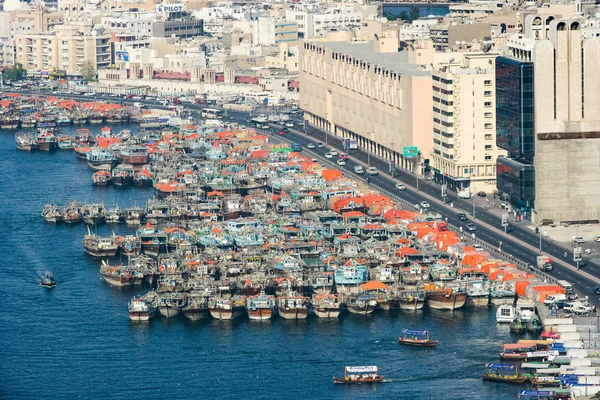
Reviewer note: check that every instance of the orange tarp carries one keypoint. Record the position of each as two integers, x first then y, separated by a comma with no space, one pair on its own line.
406,251
331,174
374,285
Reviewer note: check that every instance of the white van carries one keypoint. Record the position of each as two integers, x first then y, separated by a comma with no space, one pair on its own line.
555,298
569,292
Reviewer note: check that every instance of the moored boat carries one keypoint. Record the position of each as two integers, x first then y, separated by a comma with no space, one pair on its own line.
508,373
46,140
25,142
446,299
411,301
143,308
362,304
52,213
197,306
100,178
261,307
99,159
122,175
292,306
326,305
226,308
99,247
505,314
171,303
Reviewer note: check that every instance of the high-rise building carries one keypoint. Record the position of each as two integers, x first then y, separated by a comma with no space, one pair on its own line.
464,122
561,160
372,93
65,49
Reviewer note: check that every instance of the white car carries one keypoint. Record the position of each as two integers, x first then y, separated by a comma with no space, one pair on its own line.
424,204
310,146
359,169
582,309
341,162
333,152
596,238
289,124
478,247
578,239
320,145
400,186
328,155
372,171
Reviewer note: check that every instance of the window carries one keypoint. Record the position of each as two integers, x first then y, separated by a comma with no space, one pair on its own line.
488,137
488,146
488,126
487,104
436,141
488,158
487,83
488,115
487,93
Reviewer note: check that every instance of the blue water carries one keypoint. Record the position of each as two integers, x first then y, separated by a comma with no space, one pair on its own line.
76,340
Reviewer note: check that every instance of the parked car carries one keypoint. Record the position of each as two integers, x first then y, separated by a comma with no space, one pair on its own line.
471,227
582,309
478,247
578,239
462,217
310,146
400,186
596,238
289,124
481,194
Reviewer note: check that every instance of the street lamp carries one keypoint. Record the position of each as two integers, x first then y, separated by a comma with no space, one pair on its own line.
369,149
474,206
539,229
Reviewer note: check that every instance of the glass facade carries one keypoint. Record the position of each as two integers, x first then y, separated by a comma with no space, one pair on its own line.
517,179
514,107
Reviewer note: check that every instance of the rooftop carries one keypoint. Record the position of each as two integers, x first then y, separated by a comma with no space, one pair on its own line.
396,62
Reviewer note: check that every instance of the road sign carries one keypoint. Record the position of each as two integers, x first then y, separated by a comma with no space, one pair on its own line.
410,151
577,254
504,219
444,191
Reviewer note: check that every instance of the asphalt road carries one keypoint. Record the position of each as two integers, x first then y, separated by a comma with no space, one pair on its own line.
512,242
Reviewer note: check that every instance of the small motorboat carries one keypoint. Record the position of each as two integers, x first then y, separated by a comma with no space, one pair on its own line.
48,280
413,337
357,375
517,326
506,313
508,373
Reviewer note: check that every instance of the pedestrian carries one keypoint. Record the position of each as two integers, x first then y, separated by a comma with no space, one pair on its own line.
473,236
460,229
565,254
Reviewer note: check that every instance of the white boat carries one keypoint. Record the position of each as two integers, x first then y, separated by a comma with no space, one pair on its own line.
505,314
142,308
525,310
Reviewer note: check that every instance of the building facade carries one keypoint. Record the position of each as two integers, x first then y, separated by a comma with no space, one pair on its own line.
565,154
515,131
182,27
370,92
65,49
464,123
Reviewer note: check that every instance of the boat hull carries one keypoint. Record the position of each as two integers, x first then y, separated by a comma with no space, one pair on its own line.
47,146
117,281
139,316
502,300
478,301
294,313
378,379
411,305
169,311
327,312
361,310
196,314
226,313
260,314
447,301
101,253
100,166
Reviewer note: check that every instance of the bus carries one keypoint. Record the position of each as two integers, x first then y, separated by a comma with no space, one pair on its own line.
350,145
212,113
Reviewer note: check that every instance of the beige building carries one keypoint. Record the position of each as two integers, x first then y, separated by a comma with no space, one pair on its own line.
371,92
464,122
64,49
567,123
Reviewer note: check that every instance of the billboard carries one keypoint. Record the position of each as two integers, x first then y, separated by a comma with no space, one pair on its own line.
169,8
410,151
121,56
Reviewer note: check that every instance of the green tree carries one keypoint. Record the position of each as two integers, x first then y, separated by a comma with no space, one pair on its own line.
88,71
390,16
413,13
15,73
403,15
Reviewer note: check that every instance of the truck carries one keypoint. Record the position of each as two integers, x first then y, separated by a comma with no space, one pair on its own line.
558,299
464,194
544,263
569,291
